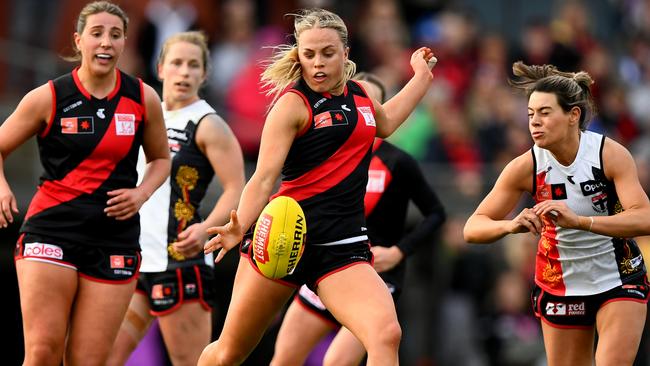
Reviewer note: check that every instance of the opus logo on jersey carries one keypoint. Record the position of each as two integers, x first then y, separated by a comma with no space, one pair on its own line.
43,250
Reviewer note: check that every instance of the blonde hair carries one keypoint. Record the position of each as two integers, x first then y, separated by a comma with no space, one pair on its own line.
571,89
197,38
93,8
283,68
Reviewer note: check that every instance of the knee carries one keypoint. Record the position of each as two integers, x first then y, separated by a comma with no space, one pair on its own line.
213,355
44,352
390,334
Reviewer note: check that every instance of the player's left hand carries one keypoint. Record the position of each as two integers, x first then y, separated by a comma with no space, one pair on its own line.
559,212
386,258
227,237
420,60
190,241
124,202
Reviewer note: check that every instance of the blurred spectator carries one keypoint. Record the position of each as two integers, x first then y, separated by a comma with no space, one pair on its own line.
635,71
162,18
538,47
468,122
635,16
571,27
232,47
453,34
454,143
513,335
385,43
245,101
468,279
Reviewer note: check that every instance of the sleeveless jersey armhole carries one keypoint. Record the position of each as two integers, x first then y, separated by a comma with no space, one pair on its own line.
118,85
52,111
144,101
600,156
311,117
534,188
198,122
372,105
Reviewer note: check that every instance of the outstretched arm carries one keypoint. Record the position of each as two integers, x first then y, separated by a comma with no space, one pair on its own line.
284,121
396,110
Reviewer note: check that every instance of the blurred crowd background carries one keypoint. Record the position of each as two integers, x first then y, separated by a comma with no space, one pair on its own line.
463,304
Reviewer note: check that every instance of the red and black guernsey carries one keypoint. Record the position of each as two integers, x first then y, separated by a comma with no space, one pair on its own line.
89,147
326,169
395,179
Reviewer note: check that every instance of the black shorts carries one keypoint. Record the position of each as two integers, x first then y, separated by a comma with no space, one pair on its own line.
317,261
580,311
162,288
104,264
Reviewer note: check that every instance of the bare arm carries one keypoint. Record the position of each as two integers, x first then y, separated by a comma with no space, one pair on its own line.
219,145
396,110
125,203
633,221
487,223
284,121
31,116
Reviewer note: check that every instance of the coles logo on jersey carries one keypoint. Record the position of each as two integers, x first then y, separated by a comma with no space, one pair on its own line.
366,113
124,124
77,125
330,118
43,251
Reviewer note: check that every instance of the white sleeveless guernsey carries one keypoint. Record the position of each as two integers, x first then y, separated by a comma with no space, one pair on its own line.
574,262
175,205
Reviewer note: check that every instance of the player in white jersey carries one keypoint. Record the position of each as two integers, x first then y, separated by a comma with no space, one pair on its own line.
176,278
590,275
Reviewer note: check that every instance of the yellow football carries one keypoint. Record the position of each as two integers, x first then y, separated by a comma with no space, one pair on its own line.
279,237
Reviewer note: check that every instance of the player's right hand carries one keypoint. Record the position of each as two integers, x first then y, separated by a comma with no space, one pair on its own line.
8,206
526,221
227,237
